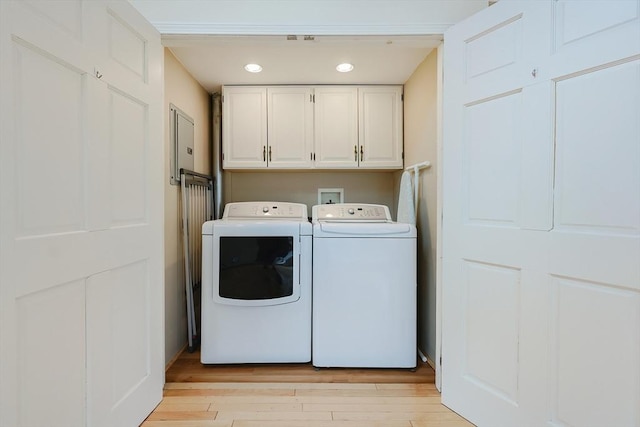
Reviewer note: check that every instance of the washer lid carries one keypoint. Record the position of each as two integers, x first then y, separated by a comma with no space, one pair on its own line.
351,212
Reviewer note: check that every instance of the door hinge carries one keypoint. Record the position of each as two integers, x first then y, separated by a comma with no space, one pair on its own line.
402,155
222,98
313,98
222,156
402,97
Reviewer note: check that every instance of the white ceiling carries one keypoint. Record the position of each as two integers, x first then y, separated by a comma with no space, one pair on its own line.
217,60
385,40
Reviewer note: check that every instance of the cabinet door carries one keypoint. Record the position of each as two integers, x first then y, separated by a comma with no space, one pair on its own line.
336,127
290,130
244,127
380,127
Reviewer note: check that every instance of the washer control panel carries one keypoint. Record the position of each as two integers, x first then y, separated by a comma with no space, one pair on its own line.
268,210
351,212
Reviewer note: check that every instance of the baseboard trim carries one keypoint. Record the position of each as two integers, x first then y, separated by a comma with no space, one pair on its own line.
426,359
174,358
431,363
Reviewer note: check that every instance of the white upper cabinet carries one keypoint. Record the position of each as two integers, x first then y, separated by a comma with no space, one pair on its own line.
290,127
358,127
244,127
301,127
380,127
336,127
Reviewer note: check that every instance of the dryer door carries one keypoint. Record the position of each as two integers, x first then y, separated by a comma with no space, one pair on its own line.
256,264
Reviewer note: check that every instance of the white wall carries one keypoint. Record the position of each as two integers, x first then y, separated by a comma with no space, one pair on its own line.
186,94
420,144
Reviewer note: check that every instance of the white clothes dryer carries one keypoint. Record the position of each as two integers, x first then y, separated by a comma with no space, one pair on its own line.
256,284
364,288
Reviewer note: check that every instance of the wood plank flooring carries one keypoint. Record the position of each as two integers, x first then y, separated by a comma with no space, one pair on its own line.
297,395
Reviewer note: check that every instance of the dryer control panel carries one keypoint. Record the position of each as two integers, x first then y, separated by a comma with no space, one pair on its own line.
267,210
357,212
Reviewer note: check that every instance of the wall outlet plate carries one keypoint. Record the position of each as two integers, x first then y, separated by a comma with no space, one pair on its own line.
330,195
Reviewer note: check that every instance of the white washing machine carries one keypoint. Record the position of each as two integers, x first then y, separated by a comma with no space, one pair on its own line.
364,288
256,284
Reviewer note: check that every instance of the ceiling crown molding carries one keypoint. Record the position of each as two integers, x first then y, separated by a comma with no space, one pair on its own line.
343,29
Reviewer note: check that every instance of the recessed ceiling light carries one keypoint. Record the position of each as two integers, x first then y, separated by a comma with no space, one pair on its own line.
253,68
344,68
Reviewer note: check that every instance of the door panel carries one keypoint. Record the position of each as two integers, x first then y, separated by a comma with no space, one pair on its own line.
117,310
51,328
490,146
607,133
127,147
380,126
336,127
126,46
290,130
244,127
66,16
57,174
508,152
589,34
495,52
612,317
492,328
571,28
494,60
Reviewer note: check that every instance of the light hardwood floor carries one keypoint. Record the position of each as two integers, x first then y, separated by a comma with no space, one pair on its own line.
297,395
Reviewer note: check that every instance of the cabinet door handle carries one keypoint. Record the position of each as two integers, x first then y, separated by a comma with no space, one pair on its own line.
361,152
264,153
269,153
355,153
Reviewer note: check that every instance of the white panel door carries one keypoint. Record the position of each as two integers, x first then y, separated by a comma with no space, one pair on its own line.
336,127
290,127
541,193
81,224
